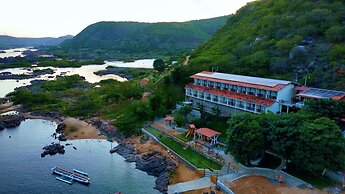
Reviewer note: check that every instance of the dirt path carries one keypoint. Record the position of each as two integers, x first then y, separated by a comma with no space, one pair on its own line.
77,129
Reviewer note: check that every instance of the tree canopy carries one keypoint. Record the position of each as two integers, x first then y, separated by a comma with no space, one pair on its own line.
310,142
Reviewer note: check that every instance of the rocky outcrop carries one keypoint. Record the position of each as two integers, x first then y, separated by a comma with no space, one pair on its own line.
10,121
60,127
62,137
105,128
120,71
153,163
36,73
53,149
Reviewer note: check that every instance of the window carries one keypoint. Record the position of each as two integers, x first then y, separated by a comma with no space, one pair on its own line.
240,104
219,85
244,90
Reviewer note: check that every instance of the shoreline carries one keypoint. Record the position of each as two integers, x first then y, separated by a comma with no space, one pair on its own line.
147,155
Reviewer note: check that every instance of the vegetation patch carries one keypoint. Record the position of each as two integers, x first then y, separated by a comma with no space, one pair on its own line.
190,155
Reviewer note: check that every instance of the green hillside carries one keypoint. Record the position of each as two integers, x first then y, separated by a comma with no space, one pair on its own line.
134,38
287,39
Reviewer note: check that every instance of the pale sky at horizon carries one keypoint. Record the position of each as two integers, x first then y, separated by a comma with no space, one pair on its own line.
52,18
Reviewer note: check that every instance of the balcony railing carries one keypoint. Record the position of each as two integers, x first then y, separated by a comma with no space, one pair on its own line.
250,108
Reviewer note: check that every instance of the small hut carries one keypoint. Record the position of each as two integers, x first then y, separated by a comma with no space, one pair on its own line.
169,120
208,135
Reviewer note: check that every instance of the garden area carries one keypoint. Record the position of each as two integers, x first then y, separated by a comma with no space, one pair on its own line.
190,155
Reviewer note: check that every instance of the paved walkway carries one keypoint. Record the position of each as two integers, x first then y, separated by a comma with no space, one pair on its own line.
191,185
247,171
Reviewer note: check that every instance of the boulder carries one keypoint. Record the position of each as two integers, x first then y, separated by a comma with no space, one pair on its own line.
10,121
62,137
60,127
53,149
161,182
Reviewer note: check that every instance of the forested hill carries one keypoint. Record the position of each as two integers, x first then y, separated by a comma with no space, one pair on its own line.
285,39
6,41
134,37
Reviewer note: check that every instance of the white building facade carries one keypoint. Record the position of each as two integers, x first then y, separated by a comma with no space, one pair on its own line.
229,94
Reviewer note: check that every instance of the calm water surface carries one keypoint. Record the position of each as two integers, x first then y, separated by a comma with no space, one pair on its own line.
15,52
86,71
22,170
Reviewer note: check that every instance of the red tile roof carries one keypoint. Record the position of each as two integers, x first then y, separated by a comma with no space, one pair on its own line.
339,97
301,88
207,132
169,118
192,126
244,84
234,95
144,81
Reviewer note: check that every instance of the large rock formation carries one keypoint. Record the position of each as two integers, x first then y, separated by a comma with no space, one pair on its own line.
10,121
53,149
153,163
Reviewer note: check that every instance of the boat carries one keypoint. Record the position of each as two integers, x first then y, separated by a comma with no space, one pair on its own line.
65,181
73,176
80,172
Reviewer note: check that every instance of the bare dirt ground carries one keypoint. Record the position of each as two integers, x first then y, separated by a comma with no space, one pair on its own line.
184,174
181,174
262,185
205,190
77,129
148,146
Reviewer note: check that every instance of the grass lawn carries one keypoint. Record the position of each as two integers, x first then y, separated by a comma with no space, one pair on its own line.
320,182
190,155
183,137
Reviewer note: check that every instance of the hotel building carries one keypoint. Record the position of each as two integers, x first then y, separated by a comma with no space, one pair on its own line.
230,94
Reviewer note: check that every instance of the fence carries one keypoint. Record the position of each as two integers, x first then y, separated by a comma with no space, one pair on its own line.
224,188
200,150
176,154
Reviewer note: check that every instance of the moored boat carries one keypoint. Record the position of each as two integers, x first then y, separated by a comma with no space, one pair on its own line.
80,172
71,175
63,180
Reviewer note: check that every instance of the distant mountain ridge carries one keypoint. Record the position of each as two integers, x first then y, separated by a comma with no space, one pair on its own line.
137,37
24,41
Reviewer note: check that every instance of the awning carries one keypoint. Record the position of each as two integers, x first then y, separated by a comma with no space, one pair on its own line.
207,132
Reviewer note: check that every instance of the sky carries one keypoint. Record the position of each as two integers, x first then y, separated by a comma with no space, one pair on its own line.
54,18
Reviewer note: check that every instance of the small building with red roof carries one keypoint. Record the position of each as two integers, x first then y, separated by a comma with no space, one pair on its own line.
144,81
208,134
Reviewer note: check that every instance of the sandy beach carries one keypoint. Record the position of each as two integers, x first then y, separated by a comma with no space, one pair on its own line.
78,129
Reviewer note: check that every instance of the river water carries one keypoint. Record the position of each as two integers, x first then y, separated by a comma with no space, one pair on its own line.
87,71
15,52
22,170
